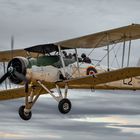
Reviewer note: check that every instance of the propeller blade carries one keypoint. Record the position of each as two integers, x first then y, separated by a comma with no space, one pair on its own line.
12,46
23,78
4,77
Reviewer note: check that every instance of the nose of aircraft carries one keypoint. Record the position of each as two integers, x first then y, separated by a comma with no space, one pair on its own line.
16,71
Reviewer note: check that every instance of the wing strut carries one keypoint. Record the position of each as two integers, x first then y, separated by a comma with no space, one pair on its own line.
4,69
129,50
62,61
107,52
123,53
77,61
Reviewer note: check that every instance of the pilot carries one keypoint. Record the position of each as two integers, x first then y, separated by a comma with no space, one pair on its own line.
85,58
65,54
70,56
75,57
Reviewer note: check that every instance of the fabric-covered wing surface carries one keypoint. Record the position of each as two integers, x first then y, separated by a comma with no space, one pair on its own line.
96,40
16,93
102,78
103,38
12,93
5,56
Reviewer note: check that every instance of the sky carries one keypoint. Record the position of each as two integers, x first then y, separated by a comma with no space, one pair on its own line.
33,22
95,115
100,116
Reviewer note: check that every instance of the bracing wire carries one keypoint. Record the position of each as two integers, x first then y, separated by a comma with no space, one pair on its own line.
115,57
105,55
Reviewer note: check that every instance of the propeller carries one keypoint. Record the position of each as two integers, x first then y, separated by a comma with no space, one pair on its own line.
20,76
12,46
3,78
24,79
16,69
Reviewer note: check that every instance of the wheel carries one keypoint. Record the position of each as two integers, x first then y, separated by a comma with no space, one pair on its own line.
64,106
23,115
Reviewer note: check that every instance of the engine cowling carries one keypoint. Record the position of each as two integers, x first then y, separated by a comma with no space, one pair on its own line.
18,64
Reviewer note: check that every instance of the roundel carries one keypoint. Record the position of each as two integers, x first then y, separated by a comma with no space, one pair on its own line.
91,71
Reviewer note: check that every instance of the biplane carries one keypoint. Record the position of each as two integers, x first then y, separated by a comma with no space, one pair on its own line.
39,69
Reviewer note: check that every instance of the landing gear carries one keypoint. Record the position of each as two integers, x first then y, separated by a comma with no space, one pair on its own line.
30,99
64,106
24,115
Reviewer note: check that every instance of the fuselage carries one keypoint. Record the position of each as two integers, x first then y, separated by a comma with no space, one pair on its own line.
45,68
49,68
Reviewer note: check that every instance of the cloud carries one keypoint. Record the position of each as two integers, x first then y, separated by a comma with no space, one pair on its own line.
100,115
34,22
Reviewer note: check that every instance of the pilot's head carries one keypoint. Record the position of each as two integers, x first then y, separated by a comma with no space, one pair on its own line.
64,53
83,55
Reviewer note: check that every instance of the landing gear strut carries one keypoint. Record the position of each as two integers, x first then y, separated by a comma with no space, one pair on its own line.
30,99
64,104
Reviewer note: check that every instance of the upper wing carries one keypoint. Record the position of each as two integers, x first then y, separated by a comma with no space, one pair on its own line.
102,78
96,40
103,38
5,56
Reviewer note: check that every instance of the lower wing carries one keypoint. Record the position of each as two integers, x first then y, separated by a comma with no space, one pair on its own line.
17,93
116,79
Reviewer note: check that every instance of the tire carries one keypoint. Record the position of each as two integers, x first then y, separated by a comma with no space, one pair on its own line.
91,71
23,115
64,106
